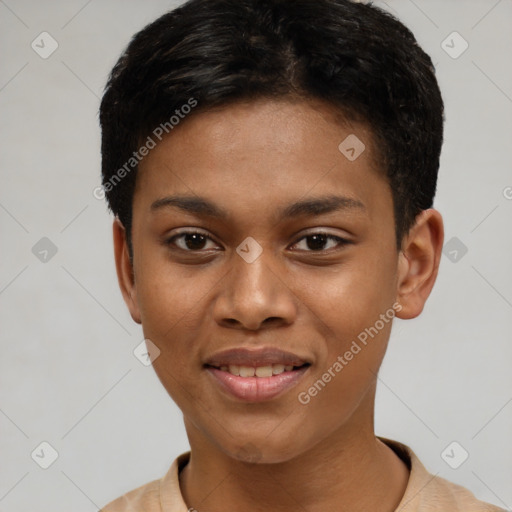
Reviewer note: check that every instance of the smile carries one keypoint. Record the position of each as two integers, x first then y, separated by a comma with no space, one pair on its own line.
256,384
258,371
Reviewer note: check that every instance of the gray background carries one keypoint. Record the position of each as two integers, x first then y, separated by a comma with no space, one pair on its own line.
67,370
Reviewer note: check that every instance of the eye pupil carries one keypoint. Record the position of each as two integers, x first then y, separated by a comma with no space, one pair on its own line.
197,241
318,241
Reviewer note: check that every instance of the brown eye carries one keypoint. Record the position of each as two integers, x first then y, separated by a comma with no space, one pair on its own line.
316,242
190,241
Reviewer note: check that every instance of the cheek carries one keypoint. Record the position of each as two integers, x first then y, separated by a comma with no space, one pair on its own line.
171,313
352,297
167,296
353,308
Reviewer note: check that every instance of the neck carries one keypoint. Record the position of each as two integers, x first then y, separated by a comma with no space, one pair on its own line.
349,470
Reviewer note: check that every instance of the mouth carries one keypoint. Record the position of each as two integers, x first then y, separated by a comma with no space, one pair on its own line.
256,375
248,370
263,357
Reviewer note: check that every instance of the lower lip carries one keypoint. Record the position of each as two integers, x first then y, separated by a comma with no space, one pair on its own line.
257,389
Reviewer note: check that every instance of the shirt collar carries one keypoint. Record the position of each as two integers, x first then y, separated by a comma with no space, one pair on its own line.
172,499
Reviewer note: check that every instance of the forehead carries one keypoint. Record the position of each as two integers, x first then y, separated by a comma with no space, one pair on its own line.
261,152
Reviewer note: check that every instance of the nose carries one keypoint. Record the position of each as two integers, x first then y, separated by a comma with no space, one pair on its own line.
255,296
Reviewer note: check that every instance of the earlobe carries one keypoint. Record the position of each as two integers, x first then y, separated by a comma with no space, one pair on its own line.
418,263
124,268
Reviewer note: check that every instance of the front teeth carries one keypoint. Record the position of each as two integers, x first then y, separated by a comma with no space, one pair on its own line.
246,371
260,371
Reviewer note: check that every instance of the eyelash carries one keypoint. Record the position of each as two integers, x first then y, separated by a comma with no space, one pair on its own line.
341,241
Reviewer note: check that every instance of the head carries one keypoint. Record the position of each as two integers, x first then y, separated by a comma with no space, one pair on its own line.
300,141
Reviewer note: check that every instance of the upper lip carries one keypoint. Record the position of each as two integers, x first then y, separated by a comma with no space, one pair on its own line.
255,357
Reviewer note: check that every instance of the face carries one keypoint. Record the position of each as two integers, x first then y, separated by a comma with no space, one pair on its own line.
254,234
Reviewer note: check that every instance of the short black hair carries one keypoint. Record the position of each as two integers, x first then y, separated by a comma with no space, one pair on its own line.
211,53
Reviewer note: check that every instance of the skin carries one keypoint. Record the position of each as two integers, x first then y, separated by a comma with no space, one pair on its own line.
252,159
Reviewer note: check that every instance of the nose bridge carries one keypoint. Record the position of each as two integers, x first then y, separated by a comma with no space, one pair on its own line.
253,273
254,291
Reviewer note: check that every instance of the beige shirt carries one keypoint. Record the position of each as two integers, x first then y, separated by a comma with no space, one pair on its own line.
424,492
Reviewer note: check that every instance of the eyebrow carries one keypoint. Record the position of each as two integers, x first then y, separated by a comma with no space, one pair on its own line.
308,207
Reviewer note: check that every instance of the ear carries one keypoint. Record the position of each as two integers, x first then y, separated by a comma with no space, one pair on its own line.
124,268
418,263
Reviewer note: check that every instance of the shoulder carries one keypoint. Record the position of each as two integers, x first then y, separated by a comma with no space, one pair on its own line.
426,492
145,497
445,495
156,496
